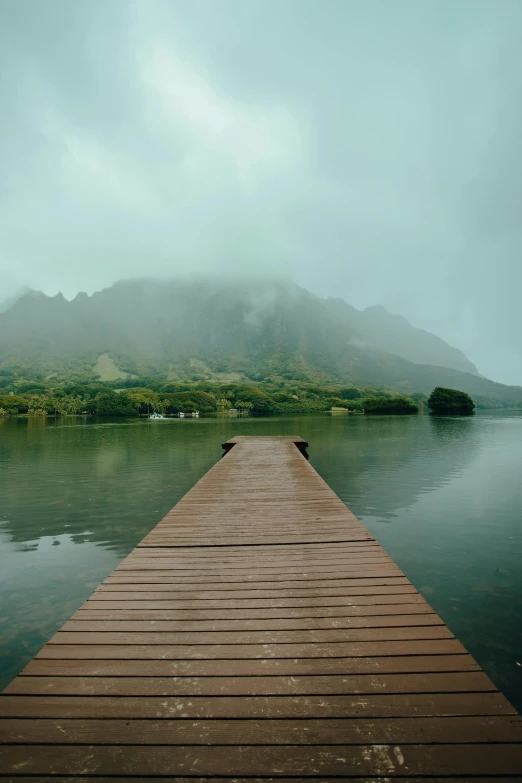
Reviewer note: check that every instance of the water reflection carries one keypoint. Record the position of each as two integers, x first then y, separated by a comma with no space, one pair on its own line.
42,582
104,482
382,466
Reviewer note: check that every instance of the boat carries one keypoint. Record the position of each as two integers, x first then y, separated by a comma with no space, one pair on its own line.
156,416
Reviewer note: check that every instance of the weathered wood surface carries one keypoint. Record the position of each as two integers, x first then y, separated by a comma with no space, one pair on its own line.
258,633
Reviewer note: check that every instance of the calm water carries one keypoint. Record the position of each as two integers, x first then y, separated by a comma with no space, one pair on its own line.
443,496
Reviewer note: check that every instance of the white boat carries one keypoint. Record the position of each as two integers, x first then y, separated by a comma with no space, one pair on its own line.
156,416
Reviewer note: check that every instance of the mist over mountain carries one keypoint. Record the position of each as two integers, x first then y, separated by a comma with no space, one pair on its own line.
382,330
7,300
223,330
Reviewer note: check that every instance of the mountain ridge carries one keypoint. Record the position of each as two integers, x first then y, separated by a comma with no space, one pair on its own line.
252,328
393,333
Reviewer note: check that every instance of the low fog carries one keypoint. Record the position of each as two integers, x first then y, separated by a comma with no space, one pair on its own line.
367,149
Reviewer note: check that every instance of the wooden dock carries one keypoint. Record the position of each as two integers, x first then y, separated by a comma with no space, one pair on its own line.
258,633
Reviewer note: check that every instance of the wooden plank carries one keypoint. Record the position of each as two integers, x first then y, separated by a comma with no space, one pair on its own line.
300,549
169,577
165,539
209,553
292,760
204,595
164,584
249,549
356,572
250,615
250,779
129,626
200,556
391,596
307,532
448,682
331,564
451,730
191,525
249,668
253,637
236,651
259,707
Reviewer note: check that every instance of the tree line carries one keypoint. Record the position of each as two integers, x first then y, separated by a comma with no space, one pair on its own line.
103,399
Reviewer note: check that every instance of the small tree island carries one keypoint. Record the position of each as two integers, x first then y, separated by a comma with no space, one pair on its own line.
450,402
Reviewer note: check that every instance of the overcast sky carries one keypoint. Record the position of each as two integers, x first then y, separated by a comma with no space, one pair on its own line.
369,149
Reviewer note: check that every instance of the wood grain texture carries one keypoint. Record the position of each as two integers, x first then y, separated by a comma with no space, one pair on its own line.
263,732
257,633
256,779
296,760
259,707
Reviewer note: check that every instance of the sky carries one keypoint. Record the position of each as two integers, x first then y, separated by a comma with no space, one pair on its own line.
368,149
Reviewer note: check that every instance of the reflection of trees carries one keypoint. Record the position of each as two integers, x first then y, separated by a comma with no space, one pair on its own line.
380,465
110,483
107,484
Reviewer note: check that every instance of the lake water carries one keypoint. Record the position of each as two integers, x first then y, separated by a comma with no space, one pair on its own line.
442,495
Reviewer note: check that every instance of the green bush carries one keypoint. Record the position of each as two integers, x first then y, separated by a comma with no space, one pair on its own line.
111,404
13,403
450,401
393,405
261,401
349,393
337,402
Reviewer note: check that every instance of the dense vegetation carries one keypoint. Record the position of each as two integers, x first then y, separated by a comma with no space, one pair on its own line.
401,405
450,401
149,395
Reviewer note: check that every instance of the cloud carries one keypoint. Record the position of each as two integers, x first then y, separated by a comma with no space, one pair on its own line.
256,139
370,152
